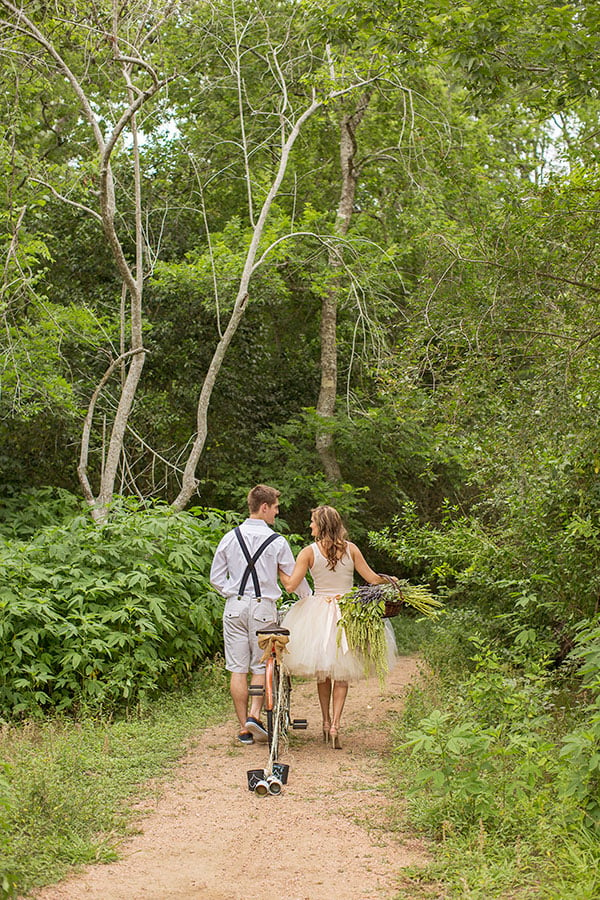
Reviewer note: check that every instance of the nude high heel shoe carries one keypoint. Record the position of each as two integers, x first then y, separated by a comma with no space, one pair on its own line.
326,732
335,738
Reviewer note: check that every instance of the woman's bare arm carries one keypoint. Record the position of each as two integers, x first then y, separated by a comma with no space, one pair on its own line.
303,563
362,566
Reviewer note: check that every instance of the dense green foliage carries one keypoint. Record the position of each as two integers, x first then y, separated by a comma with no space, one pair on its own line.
499,761
101,618
499,750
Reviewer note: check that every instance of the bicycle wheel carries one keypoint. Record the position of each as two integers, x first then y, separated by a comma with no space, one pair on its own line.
277,705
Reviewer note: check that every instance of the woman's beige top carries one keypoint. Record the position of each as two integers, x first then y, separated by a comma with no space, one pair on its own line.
332,582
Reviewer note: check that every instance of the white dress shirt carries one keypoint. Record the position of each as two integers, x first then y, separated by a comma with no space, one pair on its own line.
229,563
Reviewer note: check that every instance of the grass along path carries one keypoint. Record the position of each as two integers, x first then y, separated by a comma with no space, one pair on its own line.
70,785
204,835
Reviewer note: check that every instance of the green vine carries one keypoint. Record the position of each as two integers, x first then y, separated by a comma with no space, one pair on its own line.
361,619
364,629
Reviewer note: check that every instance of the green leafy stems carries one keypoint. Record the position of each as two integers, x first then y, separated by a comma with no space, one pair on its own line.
362,613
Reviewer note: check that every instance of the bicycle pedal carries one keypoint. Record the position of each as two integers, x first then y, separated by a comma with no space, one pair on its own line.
256,690
299,724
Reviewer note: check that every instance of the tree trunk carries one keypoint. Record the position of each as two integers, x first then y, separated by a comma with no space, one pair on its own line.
328,389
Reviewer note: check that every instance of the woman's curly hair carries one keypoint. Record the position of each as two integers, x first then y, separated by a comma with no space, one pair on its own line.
331,533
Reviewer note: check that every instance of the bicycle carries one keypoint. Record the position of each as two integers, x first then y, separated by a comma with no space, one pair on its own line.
277,693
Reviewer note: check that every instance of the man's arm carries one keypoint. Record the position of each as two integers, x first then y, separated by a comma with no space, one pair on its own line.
219,572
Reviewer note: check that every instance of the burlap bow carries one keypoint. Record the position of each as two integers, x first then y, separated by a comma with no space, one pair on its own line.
272,643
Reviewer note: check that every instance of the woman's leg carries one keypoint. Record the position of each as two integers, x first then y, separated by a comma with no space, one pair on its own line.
324,691
340,691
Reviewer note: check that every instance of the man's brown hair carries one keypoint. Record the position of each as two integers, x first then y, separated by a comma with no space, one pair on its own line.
260,494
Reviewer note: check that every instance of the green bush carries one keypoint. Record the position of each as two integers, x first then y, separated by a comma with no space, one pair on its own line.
485,758
536,558
497,756
24,513
102,617
580,775
581,745
439,553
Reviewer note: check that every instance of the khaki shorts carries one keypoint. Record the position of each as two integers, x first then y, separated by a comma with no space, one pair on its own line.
242,617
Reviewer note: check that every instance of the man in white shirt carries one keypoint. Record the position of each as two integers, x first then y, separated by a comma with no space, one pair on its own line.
244,570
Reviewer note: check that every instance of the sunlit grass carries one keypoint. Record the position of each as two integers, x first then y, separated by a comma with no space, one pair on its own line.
72,784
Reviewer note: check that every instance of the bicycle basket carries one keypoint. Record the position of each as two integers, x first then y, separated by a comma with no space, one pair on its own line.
389,593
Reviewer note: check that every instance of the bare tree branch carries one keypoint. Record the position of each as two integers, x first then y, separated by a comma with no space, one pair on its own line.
59,196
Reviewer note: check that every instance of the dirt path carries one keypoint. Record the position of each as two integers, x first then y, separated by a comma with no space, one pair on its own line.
208,838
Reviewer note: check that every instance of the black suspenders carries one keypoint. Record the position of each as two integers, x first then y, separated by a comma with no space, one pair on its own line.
251,560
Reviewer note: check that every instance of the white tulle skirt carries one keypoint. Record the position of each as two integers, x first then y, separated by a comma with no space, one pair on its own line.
313,648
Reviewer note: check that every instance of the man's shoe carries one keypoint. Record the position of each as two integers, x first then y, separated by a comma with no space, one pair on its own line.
257,729
244,737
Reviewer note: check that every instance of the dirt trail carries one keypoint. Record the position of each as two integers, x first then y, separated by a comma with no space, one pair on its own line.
208,838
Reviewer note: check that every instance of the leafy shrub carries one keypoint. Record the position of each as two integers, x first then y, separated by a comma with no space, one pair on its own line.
498,756
528,580
448,645
105,616
587,653
581,746
24,513
580,780
438,553
485,758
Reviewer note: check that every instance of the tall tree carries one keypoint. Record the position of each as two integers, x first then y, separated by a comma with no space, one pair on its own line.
349,169
114,41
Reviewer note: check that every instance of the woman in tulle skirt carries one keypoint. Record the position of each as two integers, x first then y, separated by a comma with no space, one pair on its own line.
315,650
